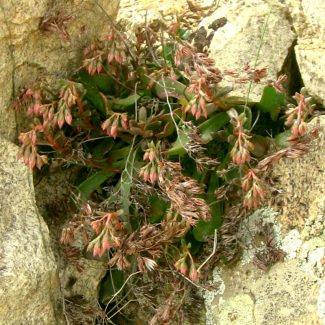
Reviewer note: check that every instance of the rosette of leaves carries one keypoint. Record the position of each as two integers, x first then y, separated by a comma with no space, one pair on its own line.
156,153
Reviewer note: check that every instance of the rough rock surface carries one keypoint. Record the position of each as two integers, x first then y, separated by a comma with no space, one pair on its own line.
301,184
28,272
28,52
291,291
309,23
49,193
237,42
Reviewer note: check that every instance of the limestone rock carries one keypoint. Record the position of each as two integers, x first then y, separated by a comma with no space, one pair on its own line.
83,286
28,272
292,291
28,52
238,310
237,42
301,183
308,21
285,293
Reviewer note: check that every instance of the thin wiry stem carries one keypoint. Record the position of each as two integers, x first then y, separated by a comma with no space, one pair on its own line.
125,282
213,251
120,309
258,51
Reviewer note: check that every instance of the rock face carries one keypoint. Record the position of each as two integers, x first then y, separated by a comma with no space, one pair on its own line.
30,50
28,271
295,34
237,42
308,21
49,192
292,291
38,40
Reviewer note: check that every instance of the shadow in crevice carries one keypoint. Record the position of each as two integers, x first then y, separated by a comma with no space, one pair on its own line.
290,67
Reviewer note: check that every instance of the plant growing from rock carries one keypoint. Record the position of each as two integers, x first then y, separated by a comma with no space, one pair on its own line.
157,155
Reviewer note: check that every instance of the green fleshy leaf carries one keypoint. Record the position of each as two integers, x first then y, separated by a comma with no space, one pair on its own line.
83,191
281,138
213,124
112,282
103,83
169,50
169,129
271,102
172,88
184,33
88,186
224,91
119,154
128,101
232,174
92,95
178,148
158,209
104,146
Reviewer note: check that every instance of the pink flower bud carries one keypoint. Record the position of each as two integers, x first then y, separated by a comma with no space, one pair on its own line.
124,121
39,162
68,118
99,66
26,160
37,108
105,244
20,153
32,161
193,272
61,120
90,246
110,57
114,131
29,91
51,113
153,174
97,226
202,102
97,249
44,159
152,155
34,138
106,124
117,57
37,94
193,109
177,58
146,174
183,267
